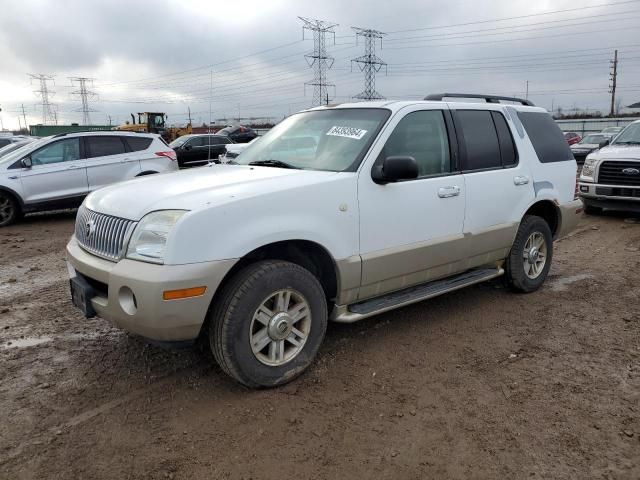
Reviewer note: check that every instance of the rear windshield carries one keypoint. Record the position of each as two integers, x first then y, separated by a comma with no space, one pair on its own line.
546,137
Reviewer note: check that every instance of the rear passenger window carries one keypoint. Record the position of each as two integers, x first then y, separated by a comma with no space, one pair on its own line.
423,136
137,144
508,151
480,139
197,142
546,137
104,146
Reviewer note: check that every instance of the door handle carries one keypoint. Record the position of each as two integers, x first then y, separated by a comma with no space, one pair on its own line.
520,180
446,192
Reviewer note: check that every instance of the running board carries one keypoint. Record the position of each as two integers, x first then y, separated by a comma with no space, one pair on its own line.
401,298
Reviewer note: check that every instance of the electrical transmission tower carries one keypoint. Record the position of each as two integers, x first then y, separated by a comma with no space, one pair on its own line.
48,114
614,79
369,63
319,60
84,97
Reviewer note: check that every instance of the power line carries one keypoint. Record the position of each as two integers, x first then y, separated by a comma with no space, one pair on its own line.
319,60
84,95
369,63
48,110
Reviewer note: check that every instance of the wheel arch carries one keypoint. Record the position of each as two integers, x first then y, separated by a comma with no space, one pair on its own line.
308,254
13,194
548,210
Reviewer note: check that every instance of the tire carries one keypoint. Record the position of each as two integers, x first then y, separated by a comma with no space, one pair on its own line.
246,314
591,210
522,274
9,209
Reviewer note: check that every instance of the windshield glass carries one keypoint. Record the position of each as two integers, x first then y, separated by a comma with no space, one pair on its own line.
11,147
594,139
179,141
630,135
25,149
612,130
334,140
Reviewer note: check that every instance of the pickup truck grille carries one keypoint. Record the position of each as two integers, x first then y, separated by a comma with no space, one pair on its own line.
102,235
612,173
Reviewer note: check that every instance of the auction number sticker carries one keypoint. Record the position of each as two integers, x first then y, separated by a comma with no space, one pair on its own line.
348,132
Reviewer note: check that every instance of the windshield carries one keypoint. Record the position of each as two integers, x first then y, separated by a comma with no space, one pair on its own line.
629,136
594,139
179,141
334,140
12,147
612,130
25,149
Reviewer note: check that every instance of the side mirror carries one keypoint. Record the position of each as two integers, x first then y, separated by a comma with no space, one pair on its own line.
395,168
604,143
26,162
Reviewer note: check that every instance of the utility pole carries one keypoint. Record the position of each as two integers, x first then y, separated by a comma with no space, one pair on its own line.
614,78
44,93
189,112
84,95
24,115
369,63
527,92
319,60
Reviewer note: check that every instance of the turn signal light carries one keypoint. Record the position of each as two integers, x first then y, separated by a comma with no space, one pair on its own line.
183,293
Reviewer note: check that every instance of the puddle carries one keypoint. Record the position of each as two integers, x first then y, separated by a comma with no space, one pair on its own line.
26,342
561,284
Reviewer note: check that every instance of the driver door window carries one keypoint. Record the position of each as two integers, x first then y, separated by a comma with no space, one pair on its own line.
61,151
423,136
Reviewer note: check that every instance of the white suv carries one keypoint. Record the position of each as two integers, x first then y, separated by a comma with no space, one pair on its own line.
339,212
59,171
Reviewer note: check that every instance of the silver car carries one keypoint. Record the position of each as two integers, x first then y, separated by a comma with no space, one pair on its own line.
59,171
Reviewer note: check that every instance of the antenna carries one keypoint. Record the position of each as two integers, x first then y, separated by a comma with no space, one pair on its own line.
319,60
369,63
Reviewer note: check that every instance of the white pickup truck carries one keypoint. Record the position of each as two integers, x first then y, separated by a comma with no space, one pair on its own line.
338,213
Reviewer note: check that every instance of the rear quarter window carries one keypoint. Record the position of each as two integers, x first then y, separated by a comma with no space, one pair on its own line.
137,144
546,137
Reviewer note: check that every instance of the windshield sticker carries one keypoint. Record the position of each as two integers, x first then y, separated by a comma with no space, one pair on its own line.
348,132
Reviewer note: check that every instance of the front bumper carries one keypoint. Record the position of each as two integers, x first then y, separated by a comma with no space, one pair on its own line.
569,217
130,293
615,197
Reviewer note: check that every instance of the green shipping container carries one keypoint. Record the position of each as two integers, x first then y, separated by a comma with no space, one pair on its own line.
46,130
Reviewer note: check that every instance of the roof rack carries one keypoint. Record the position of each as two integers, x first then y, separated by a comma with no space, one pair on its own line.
487,98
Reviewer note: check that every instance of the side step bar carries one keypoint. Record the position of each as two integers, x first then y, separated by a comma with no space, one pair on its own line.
401,298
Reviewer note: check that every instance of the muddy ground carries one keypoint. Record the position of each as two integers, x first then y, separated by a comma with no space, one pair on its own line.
481,383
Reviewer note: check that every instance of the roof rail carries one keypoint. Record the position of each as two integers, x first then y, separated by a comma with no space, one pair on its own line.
487,98
62,134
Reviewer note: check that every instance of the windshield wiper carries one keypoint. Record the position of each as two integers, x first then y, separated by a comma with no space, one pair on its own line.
272,163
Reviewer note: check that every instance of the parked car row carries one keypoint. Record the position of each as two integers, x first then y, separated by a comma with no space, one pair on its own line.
59,171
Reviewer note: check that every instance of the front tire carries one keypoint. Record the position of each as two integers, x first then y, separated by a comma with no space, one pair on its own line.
268,323
530,258
9,209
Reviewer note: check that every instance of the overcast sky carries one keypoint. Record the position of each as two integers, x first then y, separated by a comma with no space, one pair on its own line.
158,56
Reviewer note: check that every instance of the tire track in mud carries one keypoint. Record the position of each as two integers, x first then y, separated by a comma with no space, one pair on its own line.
27,275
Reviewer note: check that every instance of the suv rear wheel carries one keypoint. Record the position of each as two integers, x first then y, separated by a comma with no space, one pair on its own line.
9,209
530,259
268,323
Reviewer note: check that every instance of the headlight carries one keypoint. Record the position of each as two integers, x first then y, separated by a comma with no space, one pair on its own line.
150,236
589,167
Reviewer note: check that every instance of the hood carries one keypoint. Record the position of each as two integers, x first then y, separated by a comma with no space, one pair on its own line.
618,152
197,188
584,146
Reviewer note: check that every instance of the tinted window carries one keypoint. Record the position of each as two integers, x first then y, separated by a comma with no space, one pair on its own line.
219,141
197,141
423,136
60,151
104,146
480,139
546,137
137,144
508,151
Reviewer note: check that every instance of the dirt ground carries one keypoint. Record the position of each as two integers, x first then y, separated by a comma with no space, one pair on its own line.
481,383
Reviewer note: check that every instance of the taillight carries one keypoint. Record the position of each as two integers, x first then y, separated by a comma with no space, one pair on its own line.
170,154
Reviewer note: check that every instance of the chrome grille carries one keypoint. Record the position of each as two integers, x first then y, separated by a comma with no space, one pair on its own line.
102,235
614,173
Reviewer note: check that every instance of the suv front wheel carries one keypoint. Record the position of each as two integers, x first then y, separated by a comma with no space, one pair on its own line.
530,259
9,209
268,323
